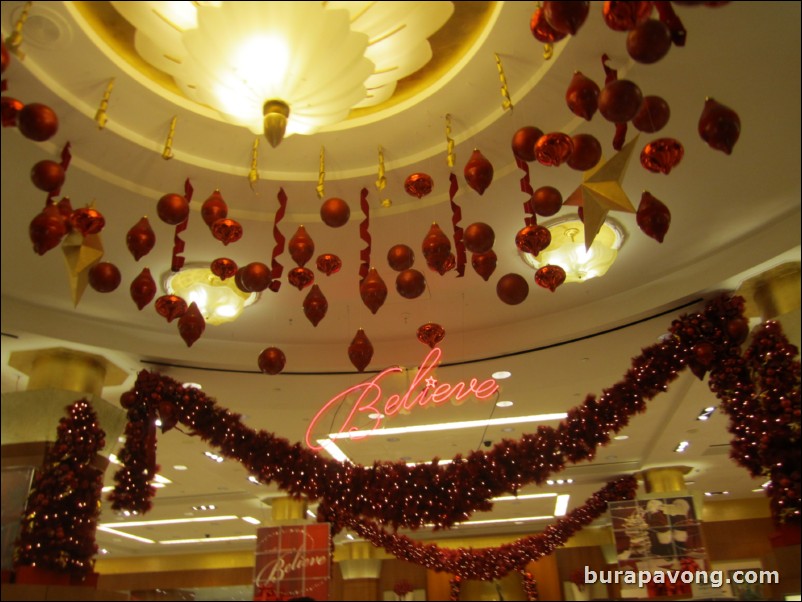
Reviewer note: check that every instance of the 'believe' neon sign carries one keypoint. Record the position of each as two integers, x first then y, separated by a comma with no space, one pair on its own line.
370,401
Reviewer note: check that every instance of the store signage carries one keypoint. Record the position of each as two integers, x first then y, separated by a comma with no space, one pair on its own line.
368,402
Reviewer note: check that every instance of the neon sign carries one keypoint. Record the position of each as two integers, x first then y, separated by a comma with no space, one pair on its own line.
370,401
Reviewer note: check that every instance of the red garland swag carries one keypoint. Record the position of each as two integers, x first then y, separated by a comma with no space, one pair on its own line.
759,390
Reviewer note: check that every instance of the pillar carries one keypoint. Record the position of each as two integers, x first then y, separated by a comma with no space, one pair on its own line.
360,566
667,479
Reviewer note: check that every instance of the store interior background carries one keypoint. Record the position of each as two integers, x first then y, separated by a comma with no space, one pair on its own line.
735,227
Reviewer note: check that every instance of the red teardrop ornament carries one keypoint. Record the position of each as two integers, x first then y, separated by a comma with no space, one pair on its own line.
541,29
484,264
227,230
479,237
400,257
143,288
360,351
191,325
586,152
172,208
649,41
373,290
104,277
719,126
315,305
419,184
478,172
533,239
170,307
329,263
87,220
47,229
214,208
301,246
512,289
582,96
410,283
523,143
224,268
335,212
566,17
623,16
256,277
446,265
271,360
546,201
431,334
436,245
653,217
140,239
550,277
300,277
47,175
37,122
620,101
553,149
653,115
662,155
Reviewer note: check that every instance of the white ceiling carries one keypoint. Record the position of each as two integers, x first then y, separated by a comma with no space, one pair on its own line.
732,217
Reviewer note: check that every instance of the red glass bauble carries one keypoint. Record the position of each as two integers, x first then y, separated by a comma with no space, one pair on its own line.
479,237
410,283
586,152
400,257
255,277
360,351
301,246
104,277
140,239
329,263
662,155
738,329
173,208
431,334
300,277
547,201
373,290
214,208
533,239
5,56
653,217
87,220
170,307
224,268
10,108
512,289
315,305
541,29
704,353
566,17
582,96
649,41
238,281
620,101
719,126
335,212
191,325
484,264
523,143
553,149
478,172
227,230
37,122
653,115
436,245
143,288
271,360
550,277
419,184
623,16
47,175
47,229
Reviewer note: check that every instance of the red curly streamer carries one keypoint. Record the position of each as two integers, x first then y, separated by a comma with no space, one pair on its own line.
456,217
526,188
610,75
66,157
672,21
178,244
279,239
364,234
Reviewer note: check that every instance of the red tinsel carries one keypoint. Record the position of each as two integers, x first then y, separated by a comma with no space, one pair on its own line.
530,586
454,587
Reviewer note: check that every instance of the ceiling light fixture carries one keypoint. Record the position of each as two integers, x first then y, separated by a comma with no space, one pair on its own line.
506,403
219,301
283,68
681,446
501,374
567,249
706,413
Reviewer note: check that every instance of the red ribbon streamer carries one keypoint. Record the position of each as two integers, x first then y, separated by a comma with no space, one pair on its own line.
66,157
178,244
526,188
620,128
364,234
278,249
672,21
456,217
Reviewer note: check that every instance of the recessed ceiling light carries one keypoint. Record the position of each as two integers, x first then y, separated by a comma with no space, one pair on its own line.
213,456
706,413
192,386
375,415
621,437
681,447
505,403
501,374
179,467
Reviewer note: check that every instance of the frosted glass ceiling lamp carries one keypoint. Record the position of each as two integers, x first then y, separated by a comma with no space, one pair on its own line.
567,249
219,301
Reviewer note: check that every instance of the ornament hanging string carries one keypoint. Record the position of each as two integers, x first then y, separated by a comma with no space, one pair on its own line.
456,217
279,239
364,234
178,243
611,75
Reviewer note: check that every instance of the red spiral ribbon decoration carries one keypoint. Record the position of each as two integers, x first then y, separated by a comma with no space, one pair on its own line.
66,157
178,244
620,128
526,188
279,238
456,217
364,234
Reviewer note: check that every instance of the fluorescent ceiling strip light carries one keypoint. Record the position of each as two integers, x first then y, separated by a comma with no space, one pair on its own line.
123,534
169,542
439,463
252,520
172,521
496,521
561,507
528,496
334,451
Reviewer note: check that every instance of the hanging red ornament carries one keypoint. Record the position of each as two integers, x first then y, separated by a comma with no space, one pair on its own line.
214,208
410,283
533,239
224,268
719,126
478,172
373,290
484,264
418,185
512,289
191,325
170,307
37,122
446,265
271,360
649,41
479,237
140,239
315,305
227,230
10,108
523,143
554,149
653,115
301,246
582,96
329,263
255,277
143,288
431,334
6,57
547,201
238,281
300,277
623,16
653,217
566,17
360,351
662,155
173,208
586,152
47,229
335,212
104,277
87,220
400,257
47,175
550,277
738,329
620,100
436,245
541,29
